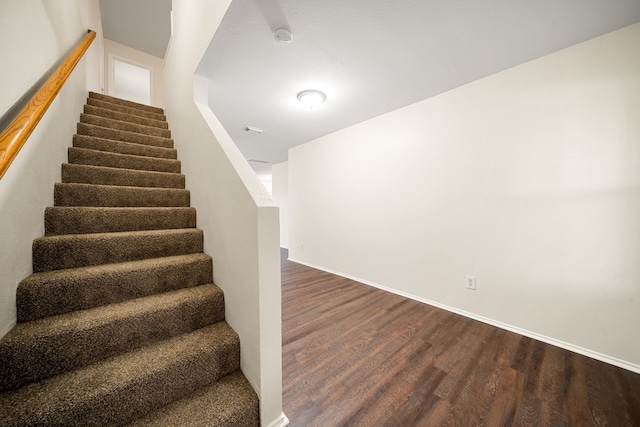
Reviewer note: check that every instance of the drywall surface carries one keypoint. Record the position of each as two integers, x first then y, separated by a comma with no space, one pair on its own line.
238,216
26,189
528,180
280,173
113,50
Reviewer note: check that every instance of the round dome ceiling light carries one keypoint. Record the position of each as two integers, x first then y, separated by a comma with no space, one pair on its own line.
311,98
283,35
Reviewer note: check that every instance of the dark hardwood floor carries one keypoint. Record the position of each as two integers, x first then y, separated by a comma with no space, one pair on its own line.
354,355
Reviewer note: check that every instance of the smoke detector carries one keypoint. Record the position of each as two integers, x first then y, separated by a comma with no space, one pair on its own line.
283,35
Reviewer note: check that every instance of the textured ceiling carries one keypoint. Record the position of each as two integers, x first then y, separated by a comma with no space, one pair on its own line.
374,56
141,24
369,56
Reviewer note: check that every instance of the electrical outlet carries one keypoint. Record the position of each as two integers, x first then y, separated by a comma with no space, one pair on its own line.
302,246
471,282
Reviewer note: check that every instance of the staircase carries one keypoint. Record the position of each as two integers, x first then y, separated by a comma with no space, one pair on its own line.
120,323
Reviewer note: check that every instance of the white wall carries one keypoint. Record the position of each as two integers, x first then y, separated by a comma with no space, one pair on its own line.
238,216
528,179
34,35
136,57
280,173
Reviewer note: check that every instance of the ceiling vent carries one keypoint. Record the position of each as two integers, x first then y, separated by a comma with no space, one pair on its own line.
252,129
258,161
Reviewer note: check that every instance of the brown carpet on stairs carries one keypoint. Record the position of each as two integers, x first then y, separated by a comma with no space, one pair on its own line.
120,324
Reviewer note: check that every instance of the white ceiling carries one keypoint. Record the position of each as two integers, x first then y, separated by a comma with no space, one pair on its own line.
141,24
373,56
368,56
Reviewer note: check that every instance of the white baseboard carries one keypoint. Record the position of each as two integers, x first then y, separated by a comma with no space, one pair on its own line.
565,345
8,327
281,421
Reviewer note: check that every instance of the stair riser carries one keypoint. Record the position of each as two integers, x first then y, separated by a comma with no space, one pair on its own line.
121,135
123,102
81,156
71,220
123,117
58,292
109,397
80,250
121,108
105,196
125,126
48,355
83,174
101,144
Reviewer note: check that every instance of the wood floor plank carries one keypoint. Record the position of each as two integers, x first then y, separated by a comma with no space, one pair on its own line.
503,410
550,387
575,410
354,355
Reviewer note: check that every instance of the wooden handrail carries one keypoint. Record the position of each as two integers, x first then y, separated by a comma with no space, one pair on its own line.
16,133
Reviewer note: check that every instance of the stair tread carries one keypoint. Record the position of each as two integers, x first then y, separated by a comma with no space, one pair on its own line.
87,156
102,103
233,397
123,135
77,250
125,117
116,235
56,292
92,318
79,194
128,386
125,102
48,276
123,147
124,125
41,348
104,175
163,209
59,220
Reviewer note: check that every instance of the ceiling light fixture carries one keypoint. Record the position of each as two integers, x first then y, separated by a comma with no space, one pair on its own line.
311,98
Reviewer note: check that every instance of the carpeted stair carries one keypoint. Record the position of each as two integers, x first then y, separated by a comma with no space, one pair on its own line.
120,323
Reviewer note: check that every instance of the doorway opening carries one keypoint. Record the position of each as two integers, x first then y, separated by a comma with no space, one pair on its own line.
130,81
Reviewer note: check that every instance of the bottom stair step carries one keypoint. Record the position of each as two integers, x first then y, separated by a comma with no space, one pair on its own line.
124,388
230,402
